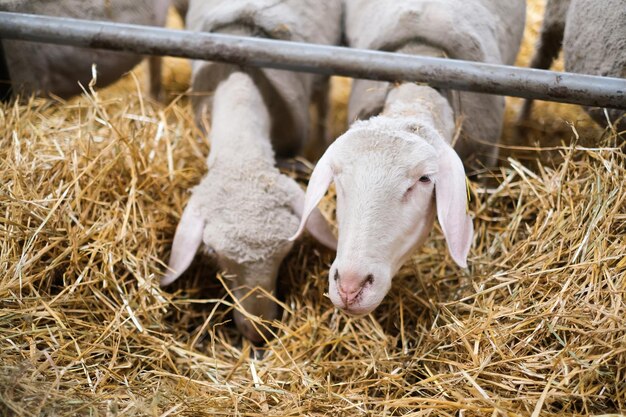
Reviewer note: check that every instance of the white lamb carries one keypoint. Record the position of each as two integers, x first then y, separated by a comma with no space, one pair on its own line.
245,210
394,171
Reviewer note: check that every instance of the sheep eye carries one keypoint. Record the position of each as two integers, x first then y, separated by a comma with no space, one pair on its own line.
424,179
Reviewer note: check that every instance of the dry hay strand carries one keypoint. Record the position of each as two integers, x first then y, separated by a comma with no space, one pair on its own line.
92,190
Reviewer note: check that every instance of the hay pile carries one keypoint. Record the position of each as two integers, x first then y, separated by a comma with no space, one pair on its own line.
90,196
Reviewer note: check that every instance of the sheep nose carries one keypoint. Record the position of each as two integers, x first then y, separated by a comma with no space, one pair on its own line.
350,285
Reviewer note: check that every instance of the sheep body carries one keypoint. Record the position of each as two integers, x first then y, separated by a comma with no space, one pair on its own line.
476,30
287,93
264,218
594,43
45,69
592,35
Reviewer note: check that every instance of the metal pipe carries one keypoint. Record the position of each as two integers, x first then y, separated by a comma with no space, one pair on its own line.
320,59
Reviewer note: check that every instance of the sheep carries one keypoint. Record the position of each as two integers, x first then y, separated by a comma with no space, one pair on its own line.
244,210
477,30
287,93
42,69
395,170
593,37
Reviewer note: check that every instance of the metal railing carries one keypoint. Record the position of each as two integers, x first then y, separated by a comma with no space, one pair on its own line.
320,59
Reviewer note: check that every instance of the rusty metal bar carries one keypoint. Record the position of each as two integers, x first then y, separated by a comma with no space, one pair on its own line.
320,59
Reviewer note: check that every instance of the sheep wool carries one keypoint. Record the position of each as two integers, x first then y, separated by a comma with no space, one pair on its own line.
287,94
477,30
244,210
37,68
594,43
263,220
592,35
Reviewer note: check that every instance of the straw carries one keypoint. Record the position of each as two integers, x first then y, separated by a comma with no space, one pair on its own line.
92,190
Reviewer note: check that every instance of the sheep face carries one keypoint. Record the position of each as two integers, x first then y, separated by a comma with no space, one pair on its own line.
385,208
243,216
253,283
390,184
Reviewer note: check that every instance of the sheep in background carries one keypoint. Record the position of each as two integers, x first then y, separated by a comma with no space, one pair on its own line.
394,171
476,30
244,210
43,69
287,94
593,37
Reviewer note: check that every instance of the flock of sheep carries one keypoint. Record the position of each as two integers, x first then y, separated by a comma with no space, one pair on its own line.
400,164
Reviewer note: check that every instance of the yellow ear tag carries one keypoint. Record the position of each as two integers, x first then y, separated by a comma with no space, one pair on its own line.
469,194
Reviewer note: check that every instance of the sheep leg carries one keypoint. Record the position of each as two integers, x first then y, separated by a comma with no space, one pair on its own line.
181,7
319,133
549,43
155,68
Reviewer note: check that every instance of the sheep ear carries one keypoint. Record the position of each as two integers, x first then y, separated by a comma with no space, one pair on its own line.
187,239
318,185
451,200
316,225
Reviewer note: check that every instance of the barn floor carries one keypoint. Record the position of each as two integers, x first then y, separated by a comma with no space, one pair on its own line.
91,193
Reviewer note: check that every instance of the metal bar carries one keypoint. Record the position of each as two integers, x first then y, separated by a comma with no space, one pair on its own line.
320,59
